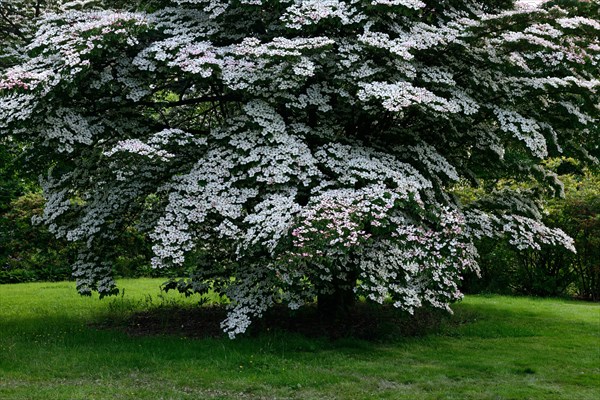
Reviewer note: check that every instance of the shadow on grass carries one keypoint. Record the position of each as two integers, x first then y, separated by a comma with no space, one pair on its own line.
367,322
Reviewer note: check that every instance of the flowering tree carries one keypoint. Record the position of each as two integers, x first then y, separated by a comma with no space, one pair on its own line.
293,149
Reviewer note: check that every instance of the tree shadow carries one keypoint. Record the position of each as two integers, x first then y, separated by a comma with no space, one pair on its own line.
366,322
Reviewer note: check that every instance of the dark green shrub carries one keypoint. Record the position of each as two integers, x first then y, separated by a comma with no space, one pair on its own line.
497,263
543,273
30,252
17,275
579,216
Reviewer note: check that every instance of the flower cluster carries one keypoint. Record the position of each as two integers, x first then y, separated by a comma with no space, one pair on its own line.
398,268
521,232
310,12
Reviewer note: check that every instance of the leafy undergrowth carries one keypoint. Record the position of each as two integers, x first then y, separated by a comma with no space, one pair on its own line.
54,345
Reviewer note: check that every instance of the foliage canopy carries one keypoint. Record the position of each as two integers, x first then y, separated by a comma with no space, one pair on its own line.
289,149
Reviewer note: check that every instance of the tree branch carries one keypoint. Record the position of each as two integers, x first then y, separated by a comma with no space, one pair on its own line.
192,101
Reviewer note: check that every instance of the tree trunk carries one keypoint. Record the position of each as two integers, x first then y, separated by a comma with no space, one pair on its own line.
336,305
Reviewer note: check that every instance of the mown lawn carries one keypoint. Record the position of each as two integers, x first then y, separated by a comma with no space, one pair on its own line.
506,348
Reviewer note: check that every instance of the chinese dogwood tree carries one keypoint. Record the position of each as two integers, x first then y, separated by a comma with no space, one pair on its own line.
293,149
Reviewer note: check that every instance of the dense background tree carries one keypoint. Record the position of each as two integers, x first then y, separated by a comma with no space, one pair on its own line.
293,149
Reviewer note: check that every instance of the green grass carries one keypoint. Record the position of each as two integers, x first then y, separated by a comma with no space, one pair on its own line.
496,348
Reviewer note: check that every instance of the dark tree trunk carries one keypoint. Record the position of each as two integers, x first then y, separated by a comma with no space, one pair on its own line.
336,305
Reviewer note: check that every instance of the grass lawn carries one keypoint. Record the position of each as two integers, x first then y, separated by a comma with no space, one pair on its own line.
507,348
